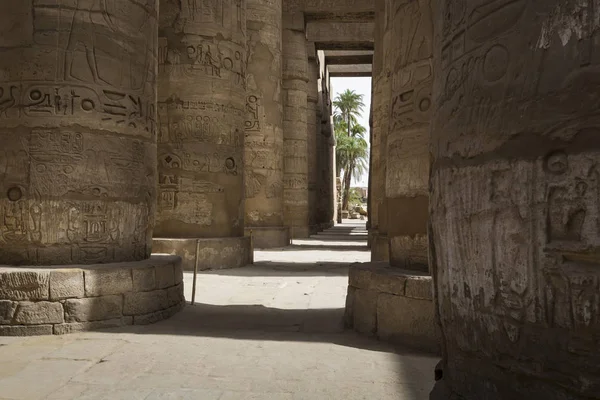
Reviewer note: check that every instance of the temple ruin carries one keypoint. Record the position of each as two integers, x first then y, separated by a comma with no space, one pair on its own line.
141,139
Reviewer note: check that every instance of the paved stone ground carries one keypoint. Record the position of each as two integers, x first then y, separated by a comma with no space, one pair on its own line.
269,331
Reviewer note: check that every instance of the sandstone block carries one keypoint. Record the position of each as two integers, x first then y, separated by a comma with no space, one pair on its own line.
43,312
102,282
144,279
178,271
66,284
349,310
25,285
151,318
20,330
407,321
365,311
359,276
94,308
420,287
165,276
72,327
7,311
145,302
389,281
175,295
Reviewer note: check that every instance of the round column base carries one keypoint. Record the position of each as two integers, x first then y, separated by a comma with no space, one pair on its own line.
215,253
269,237
73,298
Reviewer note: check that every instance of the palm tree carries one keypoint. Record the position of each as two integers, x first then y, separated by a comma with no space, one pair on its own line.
348,105
352,156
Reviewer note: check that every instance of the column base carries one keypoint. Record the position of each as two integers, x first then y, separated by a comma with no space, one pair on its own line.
393,304
372,234
300,232
215,253
409,252
71,298
269,237
380,248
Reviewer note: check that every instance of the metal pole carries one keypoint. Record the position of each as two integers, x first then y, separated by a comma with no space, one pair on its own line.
195,271
251,247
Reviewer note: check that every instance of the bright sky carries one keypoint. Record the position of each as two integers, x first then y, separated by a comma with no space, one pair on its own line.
360,86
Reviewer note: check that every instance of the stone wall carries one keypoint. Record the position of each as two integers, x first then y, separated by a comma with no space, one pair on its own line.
393,304
45,301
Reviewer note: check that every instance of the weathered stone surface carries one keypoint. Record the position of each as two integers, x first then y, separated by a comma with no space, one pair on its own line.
419,287
514,200
102,282
151,318
165,276
73,327
407,321
7,311
365,311
214,253
202,112
43,312
78,132
94,308
145,302
144,279
264,125
24,285
269,237
66,283
349,309
295,129
175,295
22,330
178,272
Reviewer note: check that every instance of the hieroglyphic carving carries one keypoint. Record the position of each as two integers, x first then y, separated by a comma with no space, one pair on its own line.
252,108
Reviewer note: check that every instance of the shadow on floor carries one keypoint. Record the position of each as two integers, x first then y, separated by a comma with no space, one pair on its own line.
274,268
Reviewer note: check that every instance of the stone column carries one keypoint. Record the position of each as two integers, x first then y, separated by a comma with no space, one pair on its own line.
381,99
77,112
201,110
407,153
313,115
264,126
78,168
295,130
514,201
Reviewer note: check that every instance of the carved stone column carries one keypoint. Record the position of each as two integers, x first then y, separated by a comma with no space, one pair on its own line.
78,134
202,113
381,101
264,126
313,115
295,129
514,201
407,154
78,168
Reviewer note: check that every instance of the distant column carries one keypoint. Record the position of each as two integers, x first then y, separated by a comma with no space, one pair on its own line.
202,113
380,101
295,129
407,152
313,118
264,126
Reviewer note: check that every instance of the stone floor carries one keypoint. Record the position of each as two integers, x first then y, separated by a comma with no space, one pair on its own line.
268,331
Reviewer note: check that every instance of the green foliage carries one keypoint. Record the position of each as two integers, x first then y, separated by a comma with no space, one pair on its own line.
352,150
